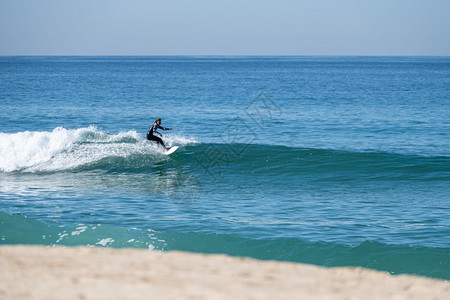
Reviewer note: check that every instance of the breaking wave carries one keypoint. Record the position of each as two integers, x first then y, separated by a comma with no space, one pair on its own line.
65,149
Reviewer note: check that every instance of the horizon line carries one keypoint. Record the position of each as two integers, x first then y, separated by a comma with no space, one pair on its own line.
217,55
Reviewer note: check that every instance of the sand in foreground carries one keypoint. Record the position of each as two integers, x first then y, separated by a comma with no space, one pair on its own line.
33,272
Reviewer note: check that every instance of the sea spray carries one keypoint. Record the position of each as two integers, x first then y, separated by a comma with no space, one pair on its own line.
65,149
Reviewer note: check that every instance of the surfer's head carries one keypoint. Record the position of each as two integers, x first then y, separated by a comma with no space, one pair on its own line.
158,121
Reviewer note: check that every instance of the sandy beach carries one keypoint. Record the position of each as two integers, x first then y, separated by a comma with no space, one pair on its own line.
34,272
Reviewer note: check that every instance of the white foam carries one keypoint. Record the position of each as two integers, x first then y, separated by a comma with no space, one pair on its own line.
79,230
61,236
174,139
25,149
63,148
105,242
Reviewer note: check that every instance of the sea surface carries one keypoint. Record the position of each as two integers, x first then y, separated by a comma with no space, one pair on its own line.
333,161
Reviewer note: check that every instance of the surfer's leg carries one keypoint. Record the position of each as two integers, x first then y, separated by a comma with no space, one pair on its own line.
160,141
156,139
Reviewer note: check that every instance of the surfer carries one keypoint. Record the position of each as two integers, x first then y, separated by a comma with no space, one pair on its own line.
153,129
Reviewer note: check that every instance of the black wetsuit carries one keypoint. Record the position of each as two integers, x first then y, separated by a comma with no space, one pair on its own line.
152,137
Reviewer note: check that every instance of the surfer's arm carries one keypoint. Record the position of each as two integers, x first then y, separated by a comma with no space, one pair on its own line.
160,127
164,128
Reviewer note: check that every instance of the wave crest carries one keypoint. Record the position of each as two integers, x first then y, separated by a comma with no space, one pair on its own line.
65,149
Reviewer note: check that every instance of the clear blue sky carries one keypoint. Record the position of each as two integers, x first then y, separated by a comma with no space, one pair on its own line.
227,27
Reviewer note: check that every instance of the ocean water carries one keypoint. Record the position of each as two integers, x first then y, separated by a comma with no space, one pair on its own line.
333,161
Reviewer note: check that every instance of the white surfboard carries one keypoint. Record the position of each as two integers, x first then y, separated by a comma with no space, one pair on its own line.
171,150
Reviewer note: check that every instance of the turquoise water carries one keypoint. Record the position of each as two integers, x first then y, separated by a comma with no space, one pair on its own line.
334,161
